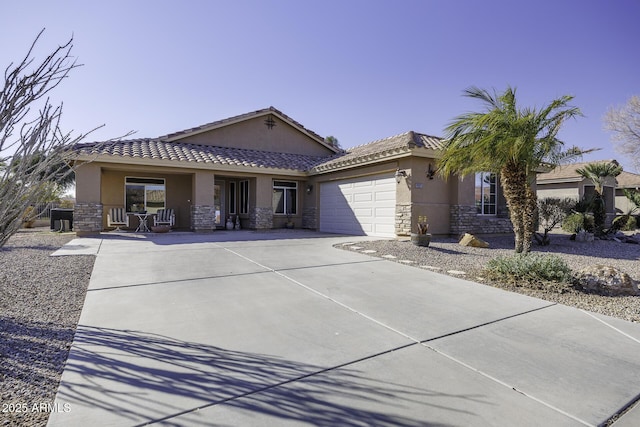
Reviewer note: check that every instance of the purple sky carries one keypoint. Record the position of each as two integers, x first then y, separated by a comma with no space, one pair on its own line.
359,70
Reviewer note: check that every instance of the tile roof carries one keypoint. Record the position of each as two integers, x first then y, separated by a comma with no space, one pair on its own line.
566,173
378,150
628,180
157,149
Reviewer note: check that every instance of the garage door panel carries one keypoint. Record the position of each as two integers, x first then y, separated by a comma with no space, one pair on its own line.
385,212
385,195
364,206
363,197
363,213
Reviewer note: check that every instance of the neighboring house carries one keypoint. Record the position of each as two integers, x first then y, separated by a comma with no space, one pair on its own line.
629,181
564,181
266,169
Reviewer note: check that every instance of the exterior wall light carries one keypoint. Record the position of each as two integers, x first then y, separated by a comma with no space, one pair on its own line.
430,171
399,174
309,188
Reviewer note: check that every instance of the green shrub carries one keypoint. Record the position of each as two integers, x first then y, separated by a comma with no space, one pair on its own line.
578,221
628,223
573,222
529,268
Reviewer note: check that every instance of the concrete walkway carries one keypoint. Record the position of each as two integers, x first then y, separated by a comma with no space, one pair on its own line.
246,328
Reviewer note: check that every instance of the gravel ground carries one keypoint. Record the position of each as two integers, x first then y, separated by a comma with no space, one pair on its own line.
445,255
40,305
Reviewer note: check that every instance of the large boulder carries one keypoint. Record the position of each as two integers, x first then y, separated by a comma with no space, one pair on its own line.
471,240
606,280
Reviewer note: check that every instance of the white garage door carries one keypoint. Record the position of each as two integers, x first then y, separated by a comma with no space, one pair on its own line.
364,206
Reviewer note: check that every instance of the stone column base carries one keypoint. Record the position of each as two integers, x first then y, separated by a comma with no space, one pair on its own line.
309,218
87,218
202,218
261,218
403,219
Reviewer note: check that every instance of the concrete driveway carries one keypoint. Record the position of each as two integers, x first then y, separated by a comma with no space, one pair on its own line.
259,329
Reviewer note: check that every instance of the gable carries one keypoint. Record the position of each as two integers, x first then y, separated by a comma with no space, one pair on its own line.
264,130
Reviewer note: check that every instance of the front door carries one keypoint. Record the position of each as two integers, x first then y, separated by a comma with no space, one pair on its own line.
218,203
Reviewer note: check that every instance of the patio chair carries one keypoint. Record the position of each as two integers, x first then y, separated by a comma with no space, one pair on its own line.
165,217
117,217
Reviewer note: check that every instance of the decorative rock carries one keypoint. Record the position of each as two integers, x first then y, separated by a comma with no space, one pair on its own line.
369,251
406,261
471,240
584,236
430,267
456,272
389,256
355,248
606,280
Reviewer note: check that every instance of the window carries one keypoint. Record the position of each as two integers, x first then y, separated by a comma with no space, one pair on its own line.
144,194
285,197
232,197
244,197
486,193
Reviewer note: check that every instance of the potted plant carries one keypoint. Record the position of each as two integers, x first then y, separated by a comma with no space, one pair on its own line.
422,237
289,224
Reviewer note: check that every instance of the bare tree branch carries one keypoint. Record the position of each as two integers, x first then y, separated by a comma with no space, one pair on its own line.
38,154
624,123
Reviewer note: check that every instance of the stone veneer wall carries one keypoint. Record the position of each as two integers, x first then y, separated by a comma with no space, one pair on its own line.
309,218
464,219
260,218
87,218
403,219
202,218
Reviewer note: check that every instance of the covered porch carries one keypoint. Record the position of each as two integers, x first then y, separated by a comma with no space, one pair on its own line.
203,200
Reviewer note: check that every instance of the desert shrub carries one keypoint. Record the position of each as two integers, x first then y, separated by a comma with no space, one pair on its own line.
529,268
573,222
627,223
578,221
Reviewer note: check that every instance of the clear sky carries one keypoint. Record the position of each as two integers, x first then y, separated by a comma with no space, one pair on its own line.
359,70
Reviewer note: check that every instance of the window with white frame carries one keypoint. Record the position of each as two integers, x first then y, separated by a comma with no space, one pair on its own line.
144,194
232,197
486,193
285,197
244,197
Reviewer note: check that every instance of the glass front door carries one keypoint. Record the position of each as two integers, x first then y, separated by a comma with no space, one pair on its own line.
218,203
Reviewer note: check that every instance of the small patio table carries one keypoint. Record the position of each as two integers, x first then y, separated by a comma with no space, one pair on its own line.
143,227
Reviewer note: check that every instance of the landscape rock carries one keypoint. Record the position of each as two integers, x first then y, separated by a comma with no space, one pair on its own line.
606,280
473,241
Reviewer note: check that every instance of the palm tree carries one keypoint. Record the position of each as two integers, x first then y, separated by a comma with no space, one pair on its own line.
598,174
514,143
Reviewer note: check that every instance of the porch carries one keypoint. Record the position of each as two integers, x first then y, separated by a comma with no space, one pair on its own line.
202,200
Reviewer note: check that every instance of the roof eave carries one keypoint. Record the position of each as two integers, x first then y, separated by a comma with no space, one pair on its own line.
136,161
558,180
359,162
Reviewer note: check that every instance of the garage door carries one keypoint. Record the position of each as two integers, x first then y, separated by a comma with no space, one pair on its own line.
363,206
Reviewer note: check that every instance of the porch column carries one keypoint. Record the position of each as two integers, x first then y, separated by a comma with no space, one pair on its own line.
202,203
261,214
88,211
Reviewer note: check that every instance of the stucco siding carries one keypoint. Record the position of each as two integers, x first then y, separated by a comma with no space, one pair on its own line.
253,134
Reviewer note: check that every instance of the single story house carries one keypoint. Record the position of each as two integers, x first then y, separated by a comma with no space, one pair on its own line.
263,169
564,181
626,181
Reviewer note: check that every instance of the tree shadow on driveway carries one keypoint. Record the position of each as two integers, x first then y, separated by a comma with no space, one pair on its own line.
146,378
